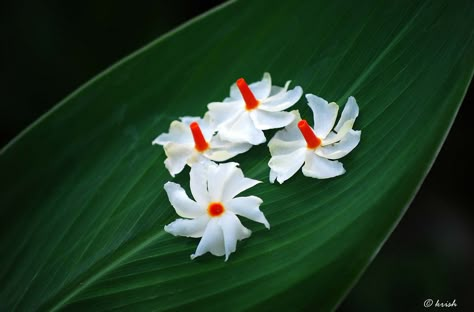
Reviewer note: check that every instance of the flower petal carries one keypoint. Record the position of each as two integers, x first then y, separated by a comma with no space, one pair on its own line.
279,147
222,150
248,207
335,137
227,180
264,120
276,90
188,228
179,132
321,168
233,231
216,176
282,100
284,166
342,148
287,140
198,183
222,113
184,206
178,155
350,111
260,89
236,182
197,157
212,240
207,127
187,120
242,130
324,114
291,132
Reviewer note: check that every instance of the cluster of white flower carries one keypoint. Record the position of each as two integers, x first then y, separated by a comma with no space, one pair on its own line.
232,127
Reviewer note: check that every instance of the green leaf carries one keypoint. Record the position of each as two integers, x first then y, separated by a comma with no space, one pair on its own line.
82,208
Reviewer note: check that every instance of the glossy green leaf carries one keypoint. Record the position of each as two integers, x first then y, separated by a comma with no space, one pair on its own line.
82,204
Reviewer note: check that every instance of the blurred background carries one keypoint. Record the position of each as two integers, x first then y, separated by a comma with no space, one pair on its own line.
49,48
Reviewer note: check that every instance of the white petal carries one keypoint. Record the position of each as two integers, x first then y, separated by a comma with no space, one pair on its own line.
350,111
242,130
198,183
278,147
235,182
273,176
282,100
212,240
284,166
216,175
178,155
260,89
287,140
342,148
188,228
207,127
222,150
321,168
222,113
248,207
184,206
324,114
196,157
178,133
291,132
227,180
264,120
233,231
187,120
276,90
335,137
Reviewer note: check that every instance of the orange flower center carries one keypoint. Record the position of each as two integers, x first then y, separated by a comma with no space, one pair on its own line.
250,101
200,143
215,209
312,141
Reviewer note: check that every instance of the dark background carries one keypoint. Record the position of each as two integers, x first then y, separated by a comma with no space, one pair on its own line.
50,48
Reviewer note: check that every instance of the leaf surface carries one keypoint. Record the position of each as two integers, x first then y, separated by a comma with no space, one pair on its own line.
82,205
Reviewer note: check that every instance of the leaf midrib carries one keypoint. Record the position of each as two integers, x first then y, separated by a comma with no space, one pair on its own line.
101,271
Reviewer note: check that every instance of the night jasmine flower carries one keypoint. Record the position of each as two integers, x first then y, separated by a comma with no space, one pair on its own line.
318,147
193,139
250,109
212,215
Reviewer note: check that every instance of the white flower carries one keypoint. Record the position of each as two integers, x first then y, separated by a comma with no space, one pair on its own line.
253,108
213,214
316,147
191,140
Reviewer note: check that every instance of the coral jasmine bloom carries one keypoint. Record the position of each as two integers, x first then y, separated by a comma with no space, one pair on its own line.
213,214
191,140
317,147
253,108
